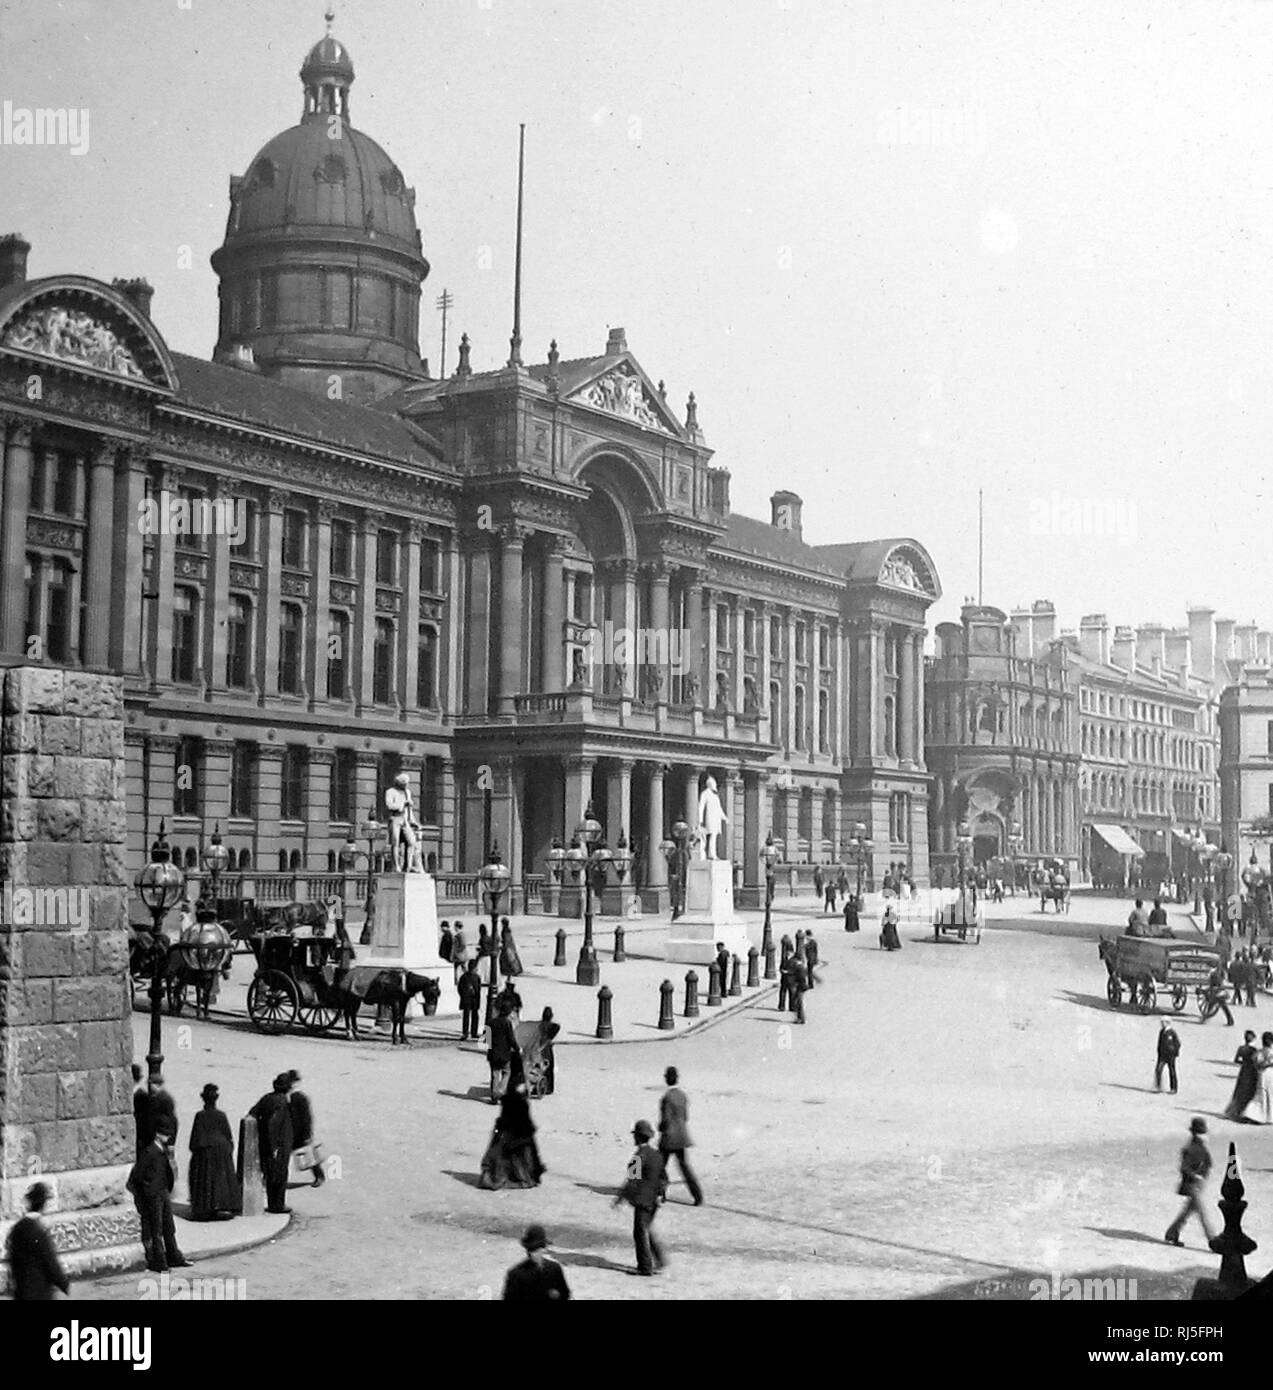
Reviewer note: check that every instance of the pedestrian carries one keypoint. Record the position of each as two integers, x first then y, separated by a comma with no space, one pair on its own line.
273,1116
842,884
819,881
829,904
141,1111
34,1267
470,992
150,1183
1249,973
1158,914
1213,993
214,1185
459,950
798,974
1209,905
810,956
889,939
308,1151
722,965
512,1156
784,975
163,1112
645,1190
1195,1165
510,998
510,963
446,945
503,1054
674,1134
1168,1051
539,1278
1138,920
1248,1082
540,1061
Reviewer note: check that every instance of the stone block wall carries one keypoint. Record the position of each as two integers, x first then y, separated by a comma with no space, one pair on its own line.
65,1012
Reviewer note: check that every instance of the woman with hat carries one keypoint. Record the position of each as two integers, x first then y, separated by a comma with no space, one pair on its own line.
308,1150
214,1188
512,1157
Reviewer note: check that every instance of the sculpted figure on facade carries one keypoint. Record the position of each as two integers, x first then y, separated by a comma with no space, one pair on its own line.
72,335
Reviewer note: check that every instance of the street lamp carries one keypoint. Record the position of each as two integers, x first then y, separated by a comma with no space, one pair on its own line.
160,885
372,831
494,877
1222,861
595,857
861,846
963,843
215,858
556,860
770,854
677,852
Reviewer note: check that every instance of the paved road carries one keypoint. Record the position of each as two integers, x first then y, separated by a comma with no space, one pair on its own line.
953,1120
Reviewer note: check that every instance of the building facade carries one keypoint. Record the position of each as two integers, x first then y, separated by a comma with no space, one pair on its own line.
1246,768
315,566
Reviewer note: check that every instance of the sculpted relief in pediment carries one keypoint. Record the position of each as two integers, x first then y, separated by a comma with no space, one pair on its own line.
71,335
622,392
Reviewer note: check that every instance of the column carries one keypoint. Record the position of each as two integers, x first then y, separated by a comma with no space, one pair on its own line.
691,799
513,540
905,701
917,743
318,626
19,464
365,613
619,801
552,638
214,781
578,792
127,579
656,833
736,622
318,780
629,574
694,622
216,601
163,772
268,602
367,795
660,621
99,561
477,631
713,638
762,664
789,635
452,659
753,829
162,574
269,790
409,632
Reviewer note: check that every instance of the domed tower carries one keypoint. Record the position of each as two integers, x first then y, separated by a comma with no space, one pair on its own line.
321,266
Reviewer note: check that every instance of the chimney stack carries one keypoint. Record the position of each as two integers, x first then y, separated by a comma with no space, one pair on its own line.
1224,648
785,508
1151,646
1179,656
1094,637
1043,621
1246,642
14,249
139,292
1024,630
1123,648
1264,648
616,343
1202,641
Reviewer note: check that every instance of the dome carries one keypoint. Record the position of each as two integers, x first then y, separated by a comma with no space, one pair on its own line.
328,58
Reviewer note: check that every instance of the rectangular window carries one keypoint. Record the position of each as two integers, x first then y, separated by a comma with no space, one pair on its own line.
191,518
724,641
426,670
245,514
294,539
800,642
431,781
238,644
57,645
185,633
185,786
340,801
342,556
582,610
749,632
64,480
44,463
390,766
337,655
824,647
387,557
289,649
775,638
292,787
382,663
243,780
430,566
1270,737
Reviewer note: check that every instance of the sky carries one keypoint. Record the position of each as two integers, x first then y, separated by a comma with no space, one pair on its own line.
904,252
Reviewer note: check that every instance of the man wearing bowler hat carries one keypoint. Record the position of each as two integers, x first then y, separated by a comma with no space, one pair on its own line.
645,1189
1195,1164
37,1272
539,1278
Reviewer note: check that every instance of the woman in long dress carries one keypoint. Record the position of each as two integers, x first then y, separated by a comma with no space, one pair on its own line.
541,1065
889,939
1260,1110
510,963
214,1187
512,1157
1248,1082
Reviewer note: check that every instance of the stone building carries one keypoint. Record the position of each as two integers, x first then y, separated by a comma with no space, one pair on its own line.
1246,762
314,566
1000,734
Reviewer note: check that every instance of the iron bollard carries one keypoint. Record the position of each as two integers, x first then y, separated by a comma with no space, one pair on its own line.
735,978
619,954
691,994
605,1027
713,985
560,957
753,969
666,1022
771,971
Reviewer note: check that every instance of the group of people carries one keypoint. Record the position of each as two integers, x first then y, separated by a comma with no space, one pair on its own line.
454,947
1147,922
796,975
830,887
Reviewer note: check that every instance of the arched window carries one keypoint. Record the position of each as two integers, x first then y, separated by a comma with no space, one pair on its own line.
331,861
245,860
775,711
294,861
890,726
824,721
192,857
282,861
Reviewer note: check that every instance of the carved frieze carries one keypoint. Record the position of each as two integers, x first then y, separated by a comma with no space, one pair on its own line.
243,577
622,392
387,601
191,566
294,585
343,593
71,335
52,533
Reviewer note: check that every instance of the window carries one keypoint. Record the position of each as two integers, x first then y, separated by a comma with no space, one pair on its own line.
749,694
185,791
386,557
337,655
294,539
749,631
389,767
191,523
775,711
800,716
382,663
245,516
581,610
426,681
824,721
800,642
775,638
723,638
824,646
292,787
32,573
185,633
890,726
430,566
238,646
722,691
242,785
430,781
342,553
57,637
340,800
1270,737
892,650
64,484
289,649
899,818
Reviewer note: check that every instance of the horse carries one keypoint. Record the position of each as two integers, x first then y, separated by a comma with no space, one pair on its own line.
201,955
389,986
317,918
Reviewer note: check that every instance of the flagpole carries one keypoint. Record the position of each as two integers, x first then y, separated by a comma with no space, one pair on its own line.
515,343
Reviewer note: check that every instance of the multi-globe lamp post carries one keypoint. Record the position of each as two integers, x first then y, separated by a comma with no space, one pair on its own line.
861,845
677,852
771,854
215,858
595,857
494,877
160,885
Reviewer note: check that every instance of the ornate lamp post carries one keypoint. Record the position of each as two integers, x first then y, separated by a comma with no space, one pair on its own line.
861,844
963,843
596,856
1014,849
771,855
677,852
1222,861
215,858
160,885
556,858
372,831
494,877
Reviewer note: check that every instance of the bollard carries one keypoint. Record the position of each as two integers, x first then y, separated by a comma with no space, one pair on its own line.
619,954
691,994
1233,1245
771,971
735,978
605,1027
753,969
713,985
666,1022
251,1180
560,957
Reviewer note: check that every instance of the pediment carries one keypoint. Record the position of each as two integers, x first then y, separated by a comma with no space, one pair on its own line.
623,390
905,568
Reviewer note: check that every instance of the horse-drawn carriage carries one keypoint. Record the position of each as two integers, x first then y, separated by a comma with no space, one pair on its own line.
193,965
962,915
1144,966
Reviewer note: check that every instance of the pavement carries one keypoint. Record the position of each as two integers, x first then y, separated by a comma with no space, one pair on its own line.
957,1121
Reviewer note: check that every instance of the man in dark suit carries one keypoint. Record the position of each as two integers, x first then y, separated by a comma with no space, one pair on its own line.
674,1134
784,976
539,1278
503,1055
37,1272
645,1189
470,992
150,1182
1168,1051
142,1121
797,983
810,956
1158,914
722,965
273,1116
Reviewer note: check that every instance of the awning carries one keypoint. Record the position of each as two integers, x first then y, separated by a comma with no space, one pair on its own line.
1118,839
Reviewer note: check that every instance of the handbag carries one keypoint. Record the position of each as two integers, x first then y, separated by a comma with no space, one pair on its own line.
308,1156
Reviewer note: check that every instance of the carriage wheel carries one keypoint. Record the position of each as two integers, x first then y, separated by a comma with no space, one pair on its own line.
1208,1008
272,1002
318,1018
1114,991
1179,998
1145,997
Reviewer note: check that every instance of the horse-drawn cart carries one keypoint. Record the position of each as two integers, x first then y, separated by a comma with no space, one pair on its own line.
1142,967
963,916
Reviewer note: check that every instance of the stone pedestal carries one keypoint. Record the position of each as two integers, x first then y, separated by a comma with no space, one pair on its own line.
405,933
709,916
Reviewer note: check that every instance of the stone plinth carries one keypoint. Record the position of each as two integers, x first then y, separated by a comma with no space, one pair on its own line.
65,1028
709,916
406,933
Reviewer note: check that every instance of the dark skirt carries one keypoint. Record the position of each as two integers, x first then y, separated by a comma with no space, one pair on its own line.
214,1186
510,963
510,1163
1244,1091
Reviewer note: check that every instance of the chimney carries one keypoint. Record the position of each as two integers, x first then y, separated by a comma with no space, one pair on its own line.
616,343
1264,648
1151,645
1043,620
1202,641
139,292
1020,622
785,513
1123,648
237,355
1094,637
950,639
1246,641
14,249
1224,647
1178,653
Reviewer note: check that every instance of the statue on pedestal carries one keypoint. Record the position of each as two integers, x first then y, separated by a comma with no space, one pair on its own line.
403,842
711,820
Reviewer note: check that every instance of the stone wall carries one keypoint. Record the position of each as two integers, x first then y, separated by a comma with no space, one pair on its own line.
65,1012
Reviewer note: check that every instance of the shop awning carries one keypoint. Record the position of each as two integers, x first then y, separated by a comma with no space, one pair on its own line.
1118,839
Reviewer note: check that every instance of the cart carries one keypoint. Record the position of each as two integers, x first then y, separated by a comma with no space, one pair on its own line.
963,917
1141,968
294,982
